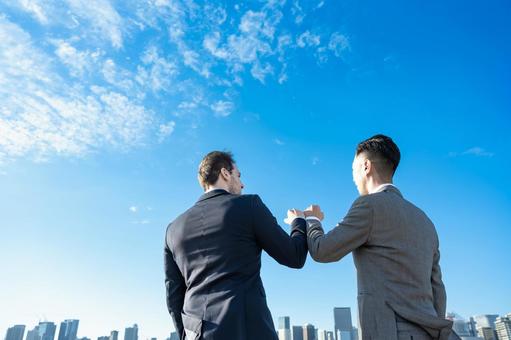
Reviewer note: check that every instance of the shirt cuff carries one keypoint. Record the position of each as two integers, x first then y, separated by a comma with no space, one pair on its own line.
308,218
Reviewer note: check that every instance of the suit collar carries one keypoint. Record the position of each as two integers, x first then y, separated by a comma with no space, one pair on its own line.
388,187
212,193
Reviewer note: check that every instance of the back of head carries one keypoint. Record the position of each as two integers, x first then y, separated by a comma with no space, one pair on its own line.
382,152
211,166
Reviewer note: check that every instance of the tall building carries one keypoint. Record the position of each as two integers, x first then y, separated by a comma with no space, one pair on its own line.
174,336
322,334
342,323
297,333
472,326
309,332
486,320
131,333
330,335
503,327
354,333
68,329
103,337
284,330
114,335
15,332
33,334
47,330
461,327
487,333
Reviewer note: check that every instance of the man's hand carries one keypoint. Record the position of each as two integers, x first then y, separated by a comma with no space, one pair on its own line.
292,214
314,210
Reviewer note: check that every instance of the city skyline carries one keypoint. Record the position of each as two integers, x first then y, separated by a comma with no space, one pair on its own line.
476,327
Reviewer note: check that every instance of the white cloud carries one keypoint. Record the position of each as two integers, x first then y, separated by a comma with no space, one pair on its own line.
307,39
133,209
222,108
475,151
166,130
35,8
338,44
278,141
77,61
102,17
42,114
260,72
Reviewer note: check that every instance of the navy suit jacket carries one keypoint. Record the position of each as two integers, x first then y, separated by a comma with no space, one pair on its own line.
213,262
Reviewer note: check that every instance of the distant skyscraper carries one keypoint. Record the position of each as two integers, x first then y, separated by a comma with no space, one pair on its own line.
131,333
103,337
342,323
486,320
354,333
322,334
330,335
487,333
297,333
461,327
309,332
15,332
174,336
503,327
47,330
114,335
472,326
284,330
68,330
33,334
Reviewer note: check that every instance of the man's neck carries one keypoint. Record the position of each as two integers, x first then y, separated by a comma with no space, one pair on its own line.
374,185
377,186
216,187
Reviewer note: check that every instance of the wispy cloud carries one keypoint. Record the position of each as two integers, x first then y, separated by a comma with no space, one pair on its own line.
278,141
133,209
474,151
81,77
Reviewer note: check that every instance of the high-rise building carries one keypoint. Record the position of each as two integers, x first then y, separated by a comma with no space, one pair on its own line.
487,333
284,330
322,334
15,332
68,329
309,332
486,320
131,333
342,323
354,333
503,327
174,336
114,335
33,334
47,330
103,337
297,333
461,327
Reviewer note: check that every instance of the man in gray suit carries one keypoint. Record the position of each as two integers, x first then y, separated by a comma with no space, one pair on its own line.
395,250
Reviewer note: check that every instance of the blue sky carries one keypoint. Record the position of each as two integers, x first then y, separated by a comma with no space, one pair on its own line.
106,108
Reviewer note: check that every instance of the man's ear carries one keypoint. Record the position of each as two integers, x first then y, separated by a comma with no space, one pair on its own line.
225,173
368,165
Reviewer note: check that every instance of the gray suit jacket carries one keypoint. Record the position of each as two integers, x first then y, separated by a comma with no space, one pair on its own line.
395,250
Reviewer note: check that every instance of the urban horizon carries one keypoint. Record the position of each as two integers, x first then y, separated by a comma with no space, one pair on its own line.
476,327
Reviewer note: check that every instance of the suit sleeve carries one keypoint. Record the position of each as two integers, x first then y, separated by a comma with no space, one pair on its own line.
439,294
175,289
349,234
288,250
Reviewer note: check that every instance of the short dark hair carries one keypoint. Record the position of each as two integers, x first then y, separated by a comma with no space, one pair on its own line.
381,149
212,164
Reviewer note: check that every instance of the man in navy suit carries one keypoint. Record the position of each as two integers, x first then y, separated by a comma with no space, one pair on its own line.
213,258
